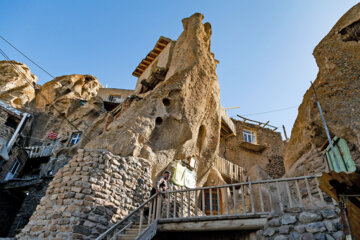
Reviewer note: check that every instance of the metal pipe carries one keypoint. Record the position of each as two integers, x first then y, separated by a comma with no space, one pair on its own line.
325,126
16,133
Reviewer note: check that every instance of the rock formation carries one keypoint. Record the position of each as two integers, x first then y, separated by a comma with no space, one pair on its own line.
178,119
338,88
15,87
64,90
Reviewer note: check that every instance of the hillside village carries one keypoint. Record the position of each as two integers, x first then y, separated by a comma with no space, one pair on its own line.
78,160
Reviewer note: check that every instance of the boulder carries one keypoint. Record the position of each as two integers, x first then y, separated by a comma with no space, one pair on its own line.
16,84
338,89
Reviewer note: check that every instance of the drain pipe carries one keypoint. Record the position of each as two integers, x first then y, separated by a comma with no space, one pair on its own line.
16,133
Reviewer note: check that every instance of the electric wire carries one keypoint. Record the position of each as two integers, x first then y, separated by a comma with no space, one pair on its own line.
31,84
26,56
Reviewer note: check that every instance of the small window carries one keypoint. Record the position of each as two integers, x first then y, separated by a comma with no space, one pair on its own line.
249,136
13,170
115,99
75,138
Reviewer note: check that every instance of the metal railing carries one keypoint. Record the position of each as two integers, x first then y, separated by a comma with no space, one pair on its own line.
244,199
230,170
143,218
39,151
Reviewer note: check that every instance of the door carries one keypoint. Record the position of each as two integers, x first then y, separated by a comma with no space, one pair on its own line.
343,155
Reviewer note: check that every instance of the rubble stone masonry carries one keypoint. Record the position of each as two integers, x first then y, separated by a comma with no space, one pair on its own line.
94,190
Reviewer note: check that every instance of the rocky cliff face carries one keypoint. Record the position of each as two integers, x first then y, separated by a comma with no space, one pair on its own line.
64,90
15,87
180,117
338,89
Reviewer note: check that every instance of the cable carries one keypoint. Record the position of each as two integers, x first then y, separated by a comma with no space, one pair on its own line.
26,57
277,110
31,84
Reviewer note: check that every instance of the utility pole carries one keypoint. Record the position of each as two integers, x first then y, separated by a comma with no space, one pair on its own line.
325,126
286,137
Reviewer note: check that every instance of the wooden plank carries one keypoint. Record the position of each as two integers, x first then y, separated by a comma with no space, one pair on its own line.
309,191
218,225
289,194
234,196
226,201
243,198
320,192
279,196
261,198
299,193
251,197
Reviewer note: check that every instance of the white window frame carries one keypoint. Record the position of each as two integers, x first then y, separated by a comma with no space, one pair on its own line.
249,136
13,170
74,138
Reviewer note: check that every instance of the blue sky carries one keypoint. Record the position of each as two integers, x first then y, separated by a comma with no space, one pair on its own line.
264,47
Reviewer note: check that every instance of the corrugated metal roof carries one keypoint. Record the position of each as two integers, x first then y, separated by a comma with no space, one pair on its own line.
152,55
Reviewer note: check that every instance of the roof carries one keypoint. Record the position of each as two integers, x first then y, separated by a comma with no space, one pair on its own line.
10,110
152,55
336,184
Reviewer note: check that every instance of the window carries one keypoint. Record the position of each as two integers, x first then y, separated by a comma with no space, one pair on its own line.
13,170
115,99
249,136
75,138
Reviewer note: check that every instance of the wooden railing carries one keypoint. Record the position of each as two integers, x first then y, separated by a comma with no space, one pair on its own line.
220,202
230,170
39,151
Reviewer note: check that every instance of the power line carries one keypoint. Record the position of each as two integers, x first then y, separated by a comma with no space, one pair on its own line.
31,84
26,56
276,110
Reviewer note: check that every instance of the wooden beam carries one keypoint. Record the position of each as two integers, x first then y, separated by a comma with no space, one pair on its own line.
217,225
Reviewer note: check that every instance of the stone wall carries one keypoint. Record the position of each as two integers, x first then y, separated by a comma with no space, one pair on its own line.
297,224
32,199
94,190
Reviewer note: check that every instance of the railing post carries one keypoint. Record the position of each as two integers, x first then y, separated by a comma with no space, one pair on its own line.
141,219
189,203
234,196
289,194
279,196
211,203
182,203
243,198
159,206
203,201
251,197
168,205
226,201
298,193
218,200
196,203
261,198
175,201
150,211
309,191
